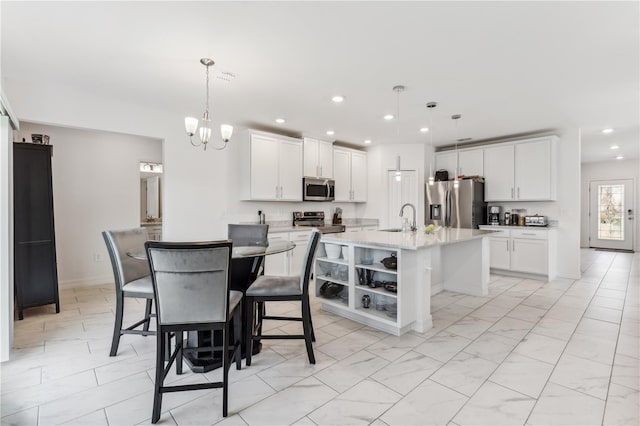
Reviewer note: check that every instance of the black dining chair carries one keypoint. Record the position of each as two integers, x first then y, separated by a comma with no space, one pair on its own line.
276,289
191,285
132,279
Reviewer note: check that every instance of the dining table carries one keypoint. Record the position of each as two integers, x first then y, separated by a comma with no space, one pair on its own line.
246,263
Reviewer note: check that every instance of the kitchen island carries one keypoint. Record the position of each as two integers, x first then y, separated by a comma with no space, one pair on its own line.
351,279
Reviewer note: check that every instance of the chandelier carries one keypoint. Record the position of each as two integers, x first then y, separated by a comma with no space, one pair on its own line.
191,123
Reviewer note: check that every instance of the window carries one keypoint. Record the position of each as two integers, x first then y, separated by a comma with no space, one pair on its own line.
610,212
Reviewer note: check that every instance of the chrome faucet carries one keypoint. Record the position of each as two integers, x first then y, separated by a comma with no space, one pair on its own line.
414,228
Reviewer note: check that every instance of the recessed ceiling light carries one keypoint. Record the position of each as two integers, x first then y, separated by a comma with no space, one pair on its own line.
607,130
337,99
279,120
614,147
424,129
330,132
388,117
368,141
619,157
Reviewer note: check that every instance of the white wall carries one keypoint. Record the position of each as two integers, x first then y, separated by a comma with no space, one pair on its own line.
96,186
616,169
6,242
381,159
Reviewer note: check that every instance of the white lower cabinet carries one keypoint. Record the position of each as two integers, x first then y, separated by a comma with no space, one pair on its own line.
522,250
353,285
290,262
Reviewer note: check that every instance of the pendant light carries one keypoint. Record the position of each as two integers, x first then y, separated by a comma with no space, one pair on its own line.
456,182
431,106
398,89
191,123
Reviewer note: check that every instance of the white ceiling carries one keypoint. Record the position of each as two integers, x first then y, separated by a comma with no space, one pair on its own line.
508,67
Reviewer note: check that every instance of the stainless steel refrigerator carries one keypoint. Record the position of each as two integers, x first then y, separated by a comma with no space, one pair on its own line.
461,207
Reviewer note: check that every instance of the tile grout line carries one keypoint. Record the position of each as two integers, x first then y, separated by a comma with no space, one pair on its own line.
615,349
567,344
511,351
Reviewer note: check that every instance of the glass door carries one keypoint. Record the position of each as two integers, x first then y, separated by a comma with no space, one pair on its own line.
611,214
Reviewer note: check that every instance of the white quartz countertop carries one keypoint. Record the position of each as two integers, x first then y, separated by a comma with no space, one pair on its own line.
530,228
408,240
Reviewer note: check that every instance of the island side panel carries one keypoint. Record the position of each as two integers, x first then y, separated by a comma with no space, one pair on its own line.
465,267
416,297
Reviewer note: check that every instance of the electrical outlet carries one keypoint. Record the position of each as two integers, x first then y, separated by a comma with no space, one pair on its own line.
97,257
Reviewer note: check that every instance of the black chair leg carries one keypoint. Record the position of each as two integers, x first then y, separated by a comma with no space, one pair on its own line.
117,326
313,335
225,370
306,325
157,394
237,336
248,337
147,315
179,354
262,309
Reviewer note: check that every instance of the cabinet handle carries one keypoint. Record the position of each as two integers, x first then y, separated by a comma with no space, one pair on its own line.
518,192
276,191
528,233
512,193
513,245
320,170
280,192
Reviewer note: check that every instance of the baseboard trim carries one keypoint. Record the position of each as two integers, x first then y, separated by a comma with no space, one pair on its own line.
88,281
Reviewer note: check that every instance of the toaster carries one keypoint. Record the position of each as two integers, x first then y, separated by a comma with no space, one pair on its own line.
535,220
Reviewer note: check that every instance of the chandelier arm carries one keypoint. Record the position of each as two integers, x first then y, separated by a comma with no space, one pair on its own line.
222,147
194,144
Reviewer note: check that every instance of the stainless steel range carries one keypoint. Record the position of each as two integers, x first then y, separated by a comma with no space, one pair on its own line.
316,220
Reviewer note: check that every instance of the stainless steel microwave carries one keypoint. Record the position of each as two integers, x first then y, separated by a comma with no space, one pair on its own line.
318,189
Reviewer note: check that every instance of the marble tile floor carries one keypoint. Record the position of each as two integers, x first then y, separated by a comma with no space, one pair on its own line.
531,353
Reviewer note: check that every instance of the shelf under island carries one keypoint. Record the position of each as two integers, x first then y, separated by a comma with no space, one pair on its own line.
399,299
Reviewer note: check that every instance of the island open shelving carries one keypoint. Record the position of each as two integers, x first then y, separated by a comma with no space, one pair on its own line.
353,284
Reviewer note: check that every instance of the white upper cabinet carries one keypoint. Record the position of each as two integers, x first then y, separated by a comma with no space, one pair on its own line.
535,171
350,174
470,162
499,173
446,161
318,158
521,171
275,168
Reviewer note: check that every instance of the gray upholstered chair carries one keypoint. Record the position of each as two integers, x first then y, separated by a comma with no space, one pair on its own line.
191,286
270,289
248,235
132,279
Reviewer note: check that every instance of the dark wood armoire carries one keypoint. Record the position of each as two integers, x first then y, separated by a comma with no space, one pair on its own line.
35,269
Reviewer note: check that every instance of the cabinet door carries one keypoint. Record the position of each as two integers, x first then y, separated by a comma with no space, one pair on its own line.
300,239
529,256
264,168
498,173
311,161
358,177
499,253
290,171
446,161
471,163
277,264
342,174
325,159
533,170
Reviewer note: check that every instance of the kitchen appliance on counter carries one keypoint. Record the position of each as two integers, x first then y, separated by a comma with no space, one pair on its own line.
315,220
535,220
494,215
318,189
507,218
461,207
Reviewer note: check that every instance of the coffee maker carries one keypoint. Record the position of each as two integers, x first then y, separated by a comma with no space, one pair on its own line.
494,215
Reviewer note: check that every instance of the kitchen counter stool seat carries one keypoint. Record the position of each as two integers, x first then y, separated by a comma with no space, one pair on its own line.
132,279
278,289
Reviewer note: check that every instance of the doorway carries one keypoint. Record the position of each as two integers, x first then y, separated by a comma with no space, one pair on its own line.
611,214
400,192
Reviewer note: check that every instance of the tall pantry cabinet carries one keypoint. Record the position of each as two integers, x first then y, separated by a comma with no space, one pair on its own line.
36,274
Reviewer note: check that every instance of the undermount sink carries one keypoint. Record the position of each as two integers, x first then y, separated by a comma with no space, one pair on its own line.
391,230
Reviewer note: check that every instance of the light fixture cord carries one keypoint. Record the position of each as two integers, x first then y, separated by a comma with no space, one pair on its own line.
206,105
431,141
